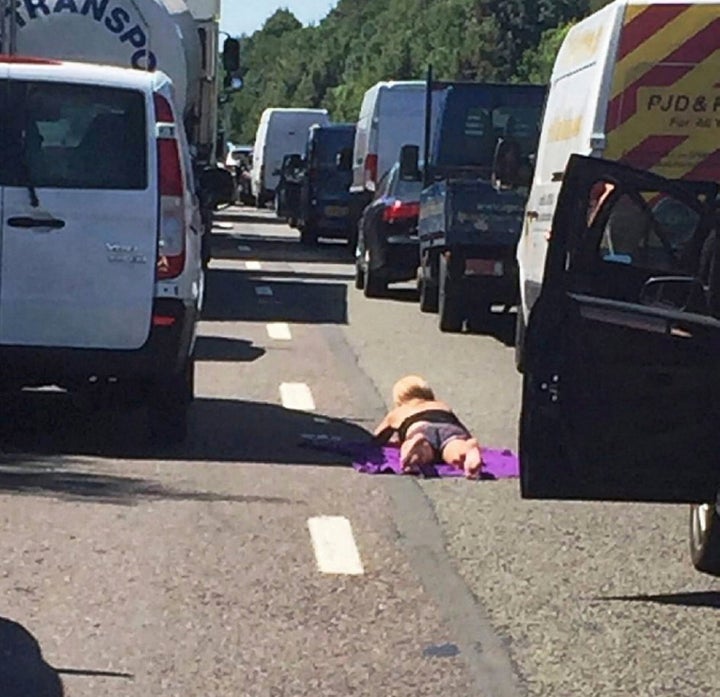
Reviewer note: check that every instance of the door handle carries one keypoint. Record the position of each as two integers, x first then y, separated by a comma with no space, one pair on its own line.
28,223
532,215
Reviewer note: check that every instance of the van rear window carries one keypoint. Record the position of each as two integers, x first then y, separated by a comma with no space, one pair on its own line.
475,117
71,136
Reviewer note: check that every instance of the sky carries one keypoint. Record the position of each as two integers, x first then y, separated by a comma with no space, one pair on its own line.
245,16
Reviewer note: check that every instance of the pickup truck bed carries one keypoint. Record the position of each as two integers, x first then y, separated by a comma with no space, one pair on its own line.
468,232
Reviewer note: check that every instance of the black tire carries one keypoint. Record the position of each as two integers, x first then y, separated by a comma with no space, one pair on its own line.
451,313
480,318
520,341
705,539
427,289
375,284
359,275
168,406
308,236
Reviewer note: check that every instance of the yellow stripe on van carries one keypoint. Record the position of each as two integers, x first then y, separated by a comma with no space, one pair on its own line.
696,85
664,113
661,44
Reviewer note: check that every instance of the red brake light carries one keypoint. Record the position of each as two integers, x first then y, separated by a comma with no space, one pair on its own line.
171,186
371,168
163,110
170,172
401,210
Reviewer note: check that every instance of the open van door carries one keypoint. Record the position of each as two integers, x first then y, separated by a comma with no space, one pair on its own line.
621,392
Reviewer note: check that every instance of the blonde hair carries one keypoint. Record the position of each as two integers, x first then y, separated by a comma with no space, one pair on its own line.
411,387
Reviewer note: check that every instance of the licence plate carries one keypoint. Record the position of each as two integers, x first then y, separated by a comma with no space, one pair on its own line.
484,267
336,211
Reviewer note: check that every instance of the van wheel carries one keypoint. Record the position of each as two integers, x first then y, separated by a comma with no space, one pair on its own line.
308,236
480,318
705,538
519,340
427,289
169,404
450,305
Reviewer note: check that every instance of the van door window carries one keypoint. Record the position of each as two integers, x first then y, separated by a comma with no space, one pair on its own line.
634,235
71,136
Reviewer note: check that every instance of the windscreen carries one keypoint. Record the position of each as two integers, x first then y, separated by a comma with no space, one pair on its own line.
327,144
71,136
475,117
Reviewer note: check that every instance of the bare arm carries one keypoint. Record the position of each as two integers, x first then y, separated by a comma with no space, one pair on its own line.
384,430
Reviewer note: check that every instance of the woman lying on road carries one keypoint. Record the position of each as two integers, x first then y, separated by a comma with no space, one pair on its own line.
427,429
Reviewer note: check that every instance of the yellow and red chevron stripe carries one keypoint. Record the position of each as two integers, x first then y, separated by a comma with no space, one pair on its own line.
664,112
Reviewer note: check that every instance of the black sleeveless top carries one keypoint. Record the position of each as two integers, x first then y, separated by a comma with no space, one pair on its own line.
435,416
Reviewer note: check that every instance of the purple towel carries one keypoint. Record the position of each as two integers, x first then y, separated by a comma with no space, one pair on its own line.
369,458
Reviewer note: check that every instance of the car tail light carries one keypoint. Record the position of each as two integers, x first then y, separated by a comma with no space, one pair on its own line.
371,169
401,210
171,223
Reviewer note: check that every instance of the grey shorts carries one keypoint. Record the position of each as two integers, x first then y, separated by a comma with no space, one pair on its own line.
439,435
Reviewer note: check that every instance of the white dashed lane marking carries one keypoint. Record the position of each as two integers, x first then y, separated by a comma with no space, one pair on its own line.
334,546
280,331
253,265
297,395
264,291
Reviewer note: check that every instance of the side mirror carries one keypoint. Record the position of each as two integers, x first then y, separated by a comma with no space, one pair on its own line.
344,159
506,163
684,293
231,55
217,185
410,163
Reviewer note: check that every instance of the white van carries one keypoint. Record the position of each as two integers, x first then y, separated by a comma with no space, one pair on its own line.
280,132
636,82
392,114
100,273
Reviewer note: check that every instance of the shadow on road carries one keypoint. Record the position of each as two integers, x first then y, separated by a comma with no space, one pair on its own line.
42,435
499,325
284,249
231,296
247,216
404,295
23,670
689,599
221,349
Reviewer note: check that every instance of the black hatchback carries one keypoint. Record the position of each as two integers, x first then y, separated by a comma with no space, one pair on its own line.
387,246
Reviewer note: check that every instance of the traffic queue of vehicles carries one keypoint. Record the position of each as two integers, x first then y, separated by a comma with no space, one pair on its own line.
599,214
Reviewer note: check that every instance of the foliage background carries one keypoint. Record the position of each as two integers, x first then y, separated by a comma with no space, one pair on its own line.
361,42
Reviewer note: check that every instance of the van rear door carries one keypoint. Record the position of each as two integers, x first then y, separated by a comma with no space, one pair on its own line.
621,393
79,216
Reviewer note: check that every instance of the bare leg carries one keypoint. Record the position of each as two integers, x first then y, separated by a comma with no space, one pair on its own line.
464,453
415,452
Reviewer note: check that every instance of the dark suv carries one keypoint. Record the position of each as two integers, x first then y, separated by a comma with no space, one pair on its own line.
325,194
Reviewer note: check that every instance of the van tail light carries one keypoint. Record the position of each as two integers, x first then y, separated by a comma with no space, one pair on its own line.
401,210
171,221
371,170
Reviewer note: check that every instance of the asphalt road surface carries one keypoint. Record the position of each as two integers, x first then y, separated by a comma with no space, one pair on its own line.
242,563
